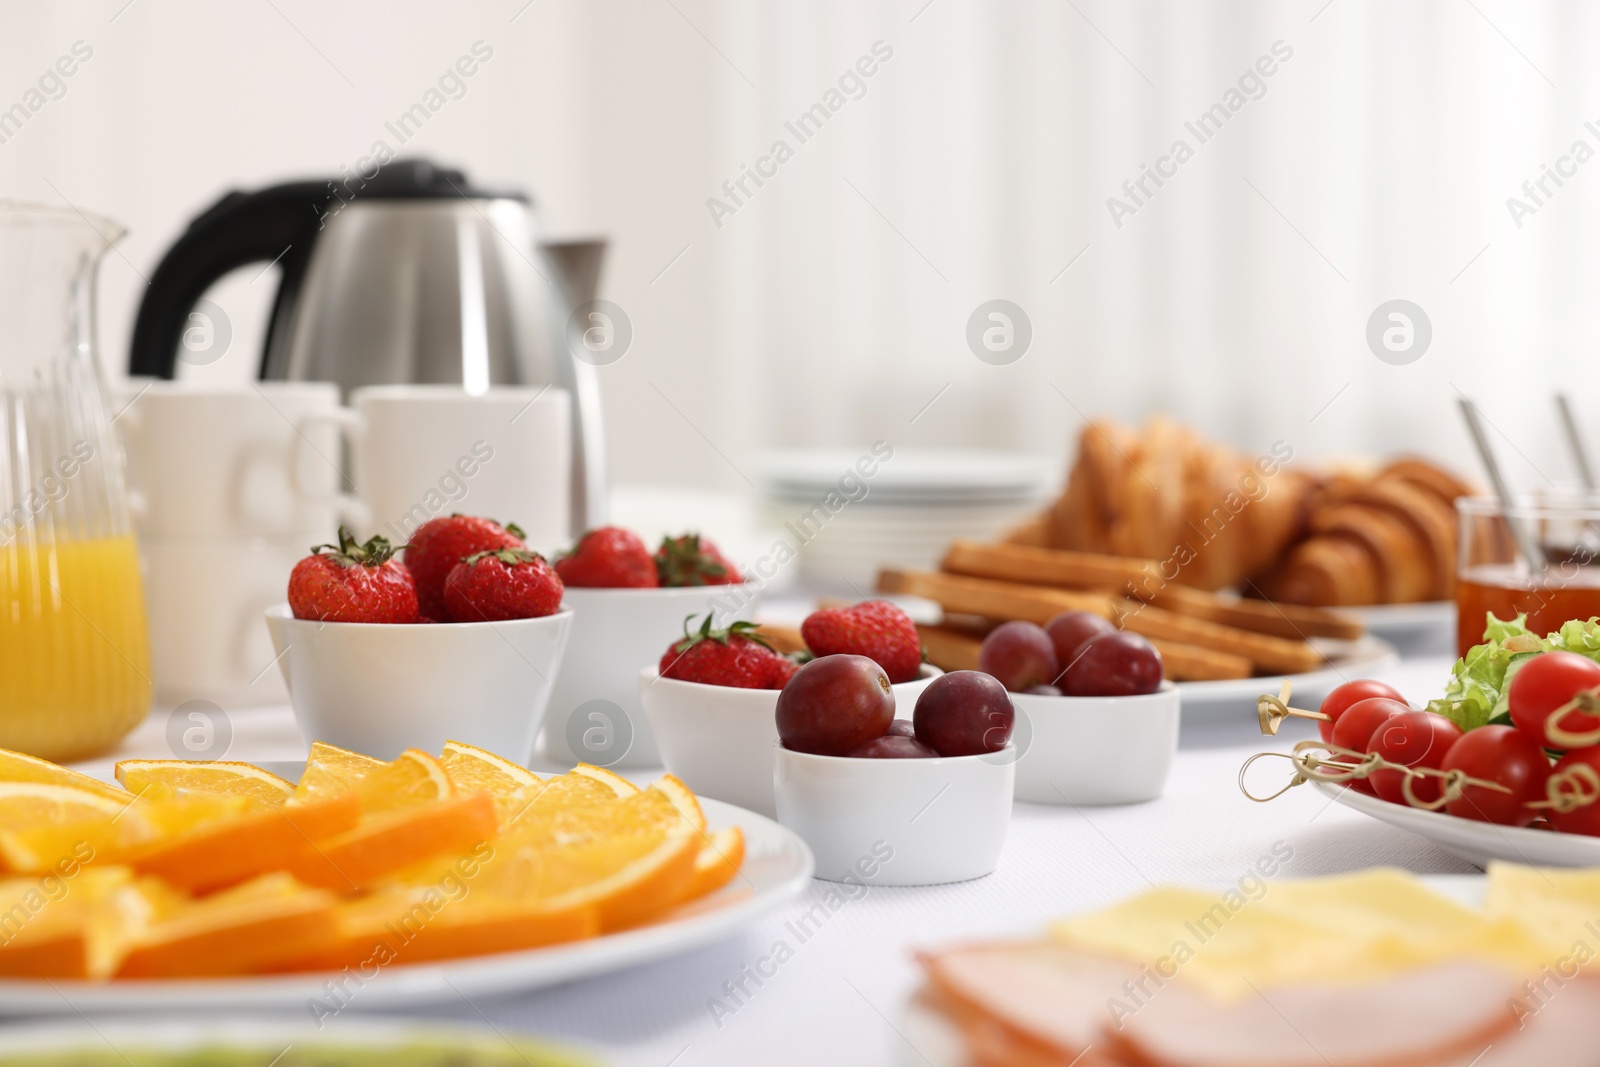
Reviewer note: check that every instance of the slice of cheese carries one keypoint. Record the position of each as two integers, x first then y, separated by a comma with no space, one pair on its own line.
1349,929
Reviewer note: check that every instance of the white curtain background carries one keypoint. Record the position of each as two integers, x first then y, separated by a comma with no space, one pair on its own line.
831,307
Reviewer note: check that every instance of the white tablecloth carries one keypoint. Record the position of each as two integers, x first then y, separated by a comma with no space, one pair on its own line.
841,996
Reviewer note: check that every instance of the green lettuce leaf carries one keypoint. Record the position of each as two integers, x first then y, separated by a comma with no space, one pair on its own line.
1480,680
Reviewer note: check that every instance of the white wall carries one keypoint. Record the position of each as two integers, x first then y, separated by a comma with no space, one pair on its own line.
832,306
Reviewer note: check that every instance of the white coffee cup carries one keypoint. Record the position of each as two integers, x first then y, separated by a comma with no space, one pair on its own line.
205,599
421,451
230,461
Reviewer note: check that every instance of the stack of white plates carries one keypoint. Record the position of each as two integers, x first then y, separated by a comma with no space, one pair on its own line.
844,525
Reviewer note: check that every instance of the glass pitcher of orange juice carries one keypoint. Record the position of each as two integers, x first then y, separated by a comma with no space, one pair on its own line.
74,663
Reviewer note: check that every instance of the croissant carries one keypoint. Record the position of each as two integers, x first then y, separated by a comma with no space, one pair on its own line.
1215,519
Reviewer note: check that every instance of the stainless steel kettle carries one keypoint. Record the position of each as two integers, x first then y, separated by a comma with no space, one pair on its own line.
413,275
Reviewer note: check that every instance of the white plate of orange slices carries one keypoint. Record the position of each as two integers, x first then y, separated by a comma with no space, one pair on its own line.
424,879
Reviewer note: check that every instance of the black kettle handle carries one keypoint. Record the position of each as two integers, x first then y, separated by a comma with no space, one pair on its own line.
275,224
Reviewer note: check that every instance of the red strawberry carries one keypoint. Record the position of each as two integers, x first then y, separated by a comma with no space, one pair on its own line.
694,560
783,670
608,558
873,628
439,544
733,657
353,583
502,583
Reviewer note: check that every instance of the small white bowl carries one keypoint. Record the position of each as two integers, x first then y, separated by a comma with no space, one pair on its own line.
919,821
380,689
720,739
1095,750
613,631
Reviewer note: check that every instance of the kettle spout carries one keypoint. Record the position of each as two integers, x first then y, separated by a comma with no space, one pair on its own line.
578,263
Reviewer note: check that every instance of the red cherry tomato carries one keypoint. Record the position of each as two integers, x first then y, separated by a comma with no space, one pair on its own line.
1545,683
1500,754
1338,701
1411,739
1580,783
1358,722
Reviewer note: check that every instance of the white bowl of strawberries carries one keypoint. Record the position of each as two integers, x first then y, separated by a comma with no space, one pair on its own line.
627,603
369,668
712,697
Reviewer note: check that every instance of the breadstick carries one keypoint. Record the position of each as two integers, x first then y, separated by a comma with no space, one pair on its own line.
949,650
1048,566
1139,578
1007,600
782,638
953,649
997,600
1191,663
1293,621
1269,654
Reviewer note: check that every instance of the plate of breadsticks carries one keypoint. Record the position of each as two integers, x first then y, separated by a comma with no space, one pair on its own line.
1220,648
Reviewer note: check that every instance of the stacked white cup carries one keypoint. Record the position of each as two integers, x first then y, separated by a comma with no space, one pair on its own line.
231,485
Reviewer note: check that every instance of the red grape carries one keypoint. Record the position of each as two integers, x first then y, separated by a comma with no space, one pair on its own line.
901,728
1343,696
1069,630
1411,739
964,713
1500,754
1543,684
1019,654
1584,820
1116,664
893,746
833,704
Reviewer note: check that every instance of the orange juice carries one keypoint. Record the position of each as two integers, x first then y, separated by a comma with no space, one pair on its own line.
74,662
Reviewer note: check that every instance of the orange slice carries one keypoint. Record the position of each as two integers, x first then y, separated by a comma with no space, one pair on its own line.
472,769
16,767
619,786
62,849
398,840
630,859
46,804
582,787
156,779
683,799
53,928
719,859
229,851
39,848
414,778
331,770
416,925
245,929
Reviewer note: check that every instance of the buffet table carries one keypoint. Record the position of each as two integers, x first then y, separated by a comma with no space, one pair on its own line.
840,992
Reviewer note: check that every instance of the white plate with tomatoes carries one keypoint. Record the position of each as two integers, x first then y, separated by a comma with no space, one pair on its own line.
1474,841
1531,787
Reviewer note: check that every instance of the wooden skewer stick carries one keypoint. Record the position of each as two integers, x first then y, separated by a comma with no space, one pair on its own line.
1272,710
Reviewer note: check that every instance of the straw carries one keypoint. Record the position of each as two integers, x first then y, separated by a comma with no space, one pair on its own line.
1526,543
1580,456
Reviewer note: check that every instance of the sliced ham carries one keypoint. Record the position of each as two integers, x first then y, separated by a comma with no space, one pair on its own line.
1425,1018
1035,1002
1562,1029
1038,1004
